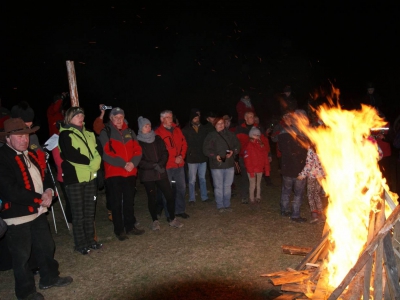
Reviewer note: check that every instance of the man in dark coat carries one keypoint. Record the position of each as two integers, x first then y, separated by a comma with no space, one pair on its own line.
195,133
25,196
293,161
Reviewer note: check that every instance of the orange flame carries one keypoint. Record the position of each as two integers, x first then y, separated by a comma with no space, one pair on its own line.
353,180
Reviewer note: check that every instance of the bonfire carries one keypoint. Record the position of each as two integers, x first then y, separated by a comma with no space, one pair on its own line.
355,189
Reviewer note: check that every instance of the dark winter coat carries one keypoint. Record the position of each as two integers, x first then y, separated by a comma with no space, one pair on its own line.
293,155
216,143
195,141
17,190
153,153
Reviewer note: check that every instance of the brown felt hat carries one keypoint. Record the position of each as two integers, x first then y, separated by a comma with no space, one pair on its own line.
16,126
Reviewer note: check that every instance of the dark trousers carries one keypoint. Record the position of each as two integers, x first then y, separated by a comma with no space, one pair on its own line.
83,207
24,240
164,186
122,194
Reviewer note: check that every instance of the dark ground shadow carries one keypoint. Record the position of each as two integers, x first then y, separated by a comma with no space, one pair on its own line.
215,290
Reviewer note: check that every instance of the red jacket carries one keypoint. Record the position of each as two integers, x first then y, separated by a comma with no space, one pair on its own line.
256,157
242,133
119,147
175,143
54,114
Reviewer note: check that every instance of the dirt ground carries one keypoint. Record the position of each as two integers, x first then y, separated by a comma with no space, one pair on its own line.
214,256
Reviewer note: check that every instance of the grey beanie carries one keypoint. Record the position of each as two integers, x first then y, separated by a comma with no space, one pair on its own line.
142,121
254,131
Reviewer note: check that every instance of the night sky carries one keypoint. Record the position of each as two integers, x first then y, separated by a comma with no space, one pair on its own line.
146,56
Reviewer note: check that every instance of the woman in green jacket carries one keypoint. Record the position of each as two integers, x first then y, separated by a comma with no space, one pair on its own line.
81,161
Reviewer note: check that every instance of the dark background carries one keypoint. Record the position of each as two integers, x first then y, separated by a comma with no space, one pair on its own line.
207,54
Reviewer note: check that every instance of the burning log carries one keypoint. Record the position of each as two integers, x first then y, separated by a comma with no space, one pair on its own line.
295,250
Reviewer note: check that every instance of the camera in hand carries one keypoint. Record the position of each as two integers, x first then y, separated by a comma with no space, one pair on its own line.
224,157
105,107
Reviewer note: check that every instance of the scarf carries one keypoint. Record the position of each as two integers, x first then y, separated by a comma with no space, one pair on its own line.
146,137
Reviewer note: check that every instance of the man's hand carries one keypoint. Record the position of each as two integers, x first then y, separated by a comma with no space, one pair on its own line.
102,111
178,159
47,198
129,166
300,177
229,154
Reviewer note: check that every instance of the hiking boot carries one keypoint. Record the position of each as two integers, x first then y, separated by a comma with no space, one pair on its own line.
191,203
228,209
258,200
155,225
135,231
245,200
299,220
83,251
122,236
96,246
314,221
61,281
286,213
221,210
175,223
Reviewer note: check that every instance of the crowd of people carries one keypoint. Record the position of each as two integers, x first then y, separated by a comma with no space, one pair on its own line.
165,159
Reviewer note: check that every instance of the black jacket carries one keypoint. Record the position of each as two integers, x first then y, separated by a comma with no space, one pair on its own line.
293,155
216,143
153,153
17,190
195,140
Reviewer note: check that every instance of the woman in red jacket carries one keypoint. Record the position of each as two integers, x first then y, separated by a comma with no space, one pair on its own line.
256,161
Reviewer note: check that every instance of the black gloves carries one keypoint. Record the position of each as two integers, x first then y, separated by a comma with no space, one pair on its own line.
158,168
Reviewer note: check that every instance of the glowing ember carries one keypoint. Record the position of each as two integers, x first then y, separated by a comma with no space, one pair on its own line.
354,182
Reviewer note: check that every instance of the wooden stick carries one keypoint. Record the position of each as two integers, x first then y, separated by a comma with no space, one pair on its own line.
391,268
313,252
378,291
368,265
295,250
73,90
366,254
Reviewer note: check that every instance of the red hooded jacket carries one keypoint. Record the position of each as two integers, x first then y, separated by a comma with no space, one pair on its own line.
119,147
256,157
175,143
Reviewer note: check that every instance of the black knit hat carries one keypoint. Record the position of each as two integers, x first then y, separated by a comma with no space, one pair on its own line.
24,111
193,114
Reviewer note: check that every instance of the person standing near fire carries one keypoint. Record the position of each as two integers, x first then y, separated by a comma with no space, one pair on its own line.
313,172
293,162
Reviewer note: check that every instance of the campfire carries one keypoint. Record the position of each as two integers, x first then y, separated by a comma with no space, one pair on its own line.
347,263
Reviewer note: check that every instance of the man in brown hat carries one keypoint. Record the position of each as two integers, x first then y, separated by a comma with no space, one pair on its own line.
26,197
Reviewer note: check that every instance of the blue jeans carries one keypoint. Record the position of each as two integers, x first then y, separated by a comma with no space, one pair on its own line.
223,179
200,169
290,184
176,177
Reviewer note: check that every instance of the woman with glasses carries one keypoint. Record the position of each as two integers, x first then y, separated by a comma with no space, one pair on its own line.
81,160
220,146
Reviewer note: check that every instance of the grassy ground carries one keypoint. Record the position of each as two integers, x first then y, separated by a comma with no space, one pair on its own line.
214,256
